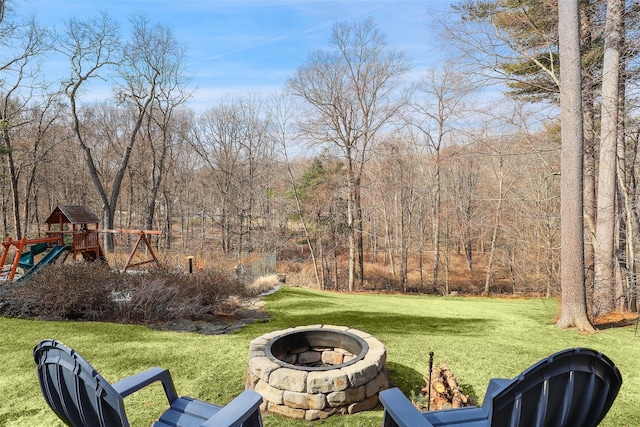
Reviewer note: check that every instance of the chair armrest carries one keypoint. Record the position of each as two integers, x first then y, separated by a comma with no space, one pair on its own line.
238,412
496,385
399,411
135,382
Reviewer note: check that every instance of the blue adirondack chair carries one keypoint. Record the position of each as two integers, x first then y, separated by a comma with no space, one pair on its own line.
81,397
572,388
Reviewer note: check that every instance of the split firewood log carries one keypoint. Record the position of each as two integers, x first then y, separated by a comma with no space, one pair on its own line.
445,389
458,398
436,385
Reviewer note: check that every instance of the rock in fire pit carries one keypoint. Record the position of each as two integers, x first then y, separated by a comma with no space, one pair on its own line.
312,372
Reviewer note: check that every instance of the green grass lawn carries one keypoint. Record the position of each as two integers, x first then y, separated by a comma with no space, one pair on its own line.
480,338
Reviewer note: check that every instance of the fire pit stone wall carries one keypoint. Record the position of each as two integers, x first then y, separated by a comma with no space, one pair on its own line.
315,392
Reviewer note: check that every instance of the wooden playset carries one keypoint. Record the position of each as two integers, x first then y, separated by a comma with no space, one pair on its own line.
71,230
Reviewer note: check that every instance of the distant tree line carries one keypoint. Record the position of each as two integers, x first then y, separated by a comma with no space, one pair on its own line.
355,159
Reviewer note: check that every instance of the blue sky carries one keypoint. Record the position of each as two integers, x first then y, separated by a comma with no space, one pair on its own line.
252,46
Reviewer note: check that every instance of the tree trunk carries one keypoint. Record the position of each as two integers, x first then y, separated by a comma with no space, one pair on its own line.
421,237
352,249
492,250
13,179
157,176
625,252
168,234
317,270
589,175
388,237
351,226
573,305
405,225
436,222
359,233
496,229
603,293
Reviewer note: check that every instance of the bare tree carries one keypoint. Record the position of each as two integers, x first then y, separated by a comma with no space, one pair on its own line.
186,190
503,176
146,62
395,175
170,95
45,132
280,129
352,91
150,72
443,95
461,179
22,44
91,47
539,197
232,140
574,304
217,139
178,167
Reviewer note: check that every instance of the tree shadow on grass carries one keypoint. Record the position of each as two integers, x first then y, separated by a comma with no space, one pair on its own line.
297,307
395,324
405,378
289,293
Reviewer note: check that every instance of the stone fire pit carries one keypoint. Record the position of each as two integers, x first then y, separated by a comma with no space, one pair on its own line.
312,372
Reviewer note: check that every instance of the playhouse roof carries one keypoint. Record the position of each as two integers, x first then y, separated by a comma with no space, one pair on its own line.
72,215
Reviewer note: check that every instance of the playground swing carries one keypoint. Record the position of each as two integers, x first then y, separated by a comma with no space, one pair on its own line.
142,238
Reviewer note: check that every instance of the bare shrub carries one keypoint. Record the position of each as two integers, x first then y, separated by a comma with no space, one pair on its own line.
158,300
92,291
73,291
160,295
215,285
263,284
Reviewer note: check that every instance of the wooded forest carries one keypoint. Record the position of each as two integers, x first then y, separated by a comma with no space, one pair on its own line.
359,160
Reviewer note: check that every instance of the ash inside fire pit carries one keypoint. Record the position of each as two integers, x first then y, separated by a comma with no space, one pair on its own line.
312,372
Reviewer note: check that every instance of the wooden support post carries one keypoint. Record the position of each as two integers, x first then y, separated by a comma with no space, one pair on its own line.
6,244
16,258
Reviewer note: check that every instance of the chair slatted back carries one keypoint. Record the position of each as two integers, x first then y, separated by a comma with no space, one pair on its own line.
574,387
75,391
